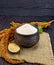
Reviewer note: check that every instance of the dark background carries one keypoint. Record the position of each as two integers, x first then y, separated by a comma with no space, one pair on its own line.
27,7
26,11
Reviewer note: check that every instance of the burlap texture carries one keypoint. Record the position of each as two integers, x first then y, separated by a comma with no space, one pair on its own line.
41,53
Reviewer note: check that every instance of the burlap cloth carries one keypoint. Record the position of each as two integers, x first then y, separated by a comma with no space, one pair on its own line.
41,53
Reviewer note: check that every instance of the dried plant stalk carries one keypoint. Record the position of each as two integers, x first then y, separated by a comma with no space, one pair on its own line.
7,35
4,42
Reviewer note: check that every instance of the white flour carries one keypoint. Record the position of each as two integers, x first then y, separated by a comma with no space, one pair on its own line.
26,29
